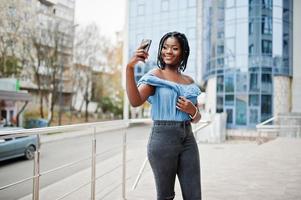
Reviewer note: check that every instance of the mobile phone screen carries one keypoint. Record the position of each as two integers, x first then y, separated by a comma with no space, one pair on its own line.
145,43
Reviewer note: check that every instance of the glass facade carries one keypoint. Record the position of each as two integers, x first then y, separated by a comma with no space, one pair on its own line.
245,44
152,19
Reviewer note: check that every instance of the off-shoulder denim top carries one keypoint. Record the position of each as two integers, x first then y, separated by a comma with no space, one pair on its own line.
166,95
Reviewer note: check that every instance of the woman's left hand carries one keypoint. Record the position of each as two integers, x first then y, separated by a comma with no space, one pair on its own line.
186,105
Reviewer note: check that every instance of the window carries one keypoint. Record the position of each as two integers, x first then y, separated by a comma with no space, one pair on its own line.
191,3
229,116
266,46
254,84
266,81
241,82
220,35
220,49
219,104
220,62
164,5
220,84
229,83
267,4
191,32
266,107
241,110
253,116
253,100
229,100
251,49
266,25
140,9
251,28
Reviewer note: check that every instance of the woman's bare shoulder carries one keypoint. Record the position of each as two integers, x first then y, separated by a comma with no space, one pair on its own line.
156,72
188,78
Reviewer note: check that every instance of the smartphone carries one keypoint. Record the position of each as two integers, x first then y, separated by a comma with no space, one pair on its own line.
145,44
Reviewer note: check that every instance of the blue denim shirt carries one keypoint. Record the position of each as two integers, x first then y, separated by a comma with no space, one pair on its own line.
166,95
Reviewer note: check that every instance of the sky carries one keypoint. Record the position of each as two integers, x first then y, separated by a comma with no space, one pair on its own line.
109,15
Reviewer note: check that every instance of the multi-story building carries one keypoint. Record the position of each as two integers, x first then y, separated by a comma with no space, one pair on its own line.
54,23
152,19
245,51
247,59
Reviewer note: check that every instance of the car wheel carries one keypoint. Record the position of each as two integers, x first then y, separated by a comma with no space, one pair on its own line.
29,152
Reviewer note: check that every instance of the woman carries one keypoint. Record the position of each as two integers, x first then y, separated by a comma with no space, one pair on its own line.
172,149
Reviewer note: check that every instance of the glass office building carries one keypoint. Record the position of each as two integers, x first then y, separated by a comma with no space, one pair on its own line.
152,19
247,48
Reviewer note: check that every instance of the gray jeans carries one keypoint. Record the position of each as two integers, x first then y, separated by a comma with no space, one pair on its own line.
172,150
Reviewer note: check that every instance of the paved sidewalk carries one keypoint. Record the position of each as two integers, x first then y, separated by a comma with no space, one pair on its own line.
235,170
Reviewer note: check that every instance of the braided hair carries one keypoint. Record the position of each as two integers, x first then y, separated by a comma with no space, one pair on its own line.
184,47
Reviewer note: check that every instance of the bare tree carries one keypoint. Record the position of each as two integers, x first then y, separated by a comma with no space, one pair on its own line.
88,54
13,13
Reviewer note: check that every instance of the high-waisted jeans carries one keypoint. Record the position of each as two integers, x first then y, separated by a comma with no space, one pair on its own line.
172,150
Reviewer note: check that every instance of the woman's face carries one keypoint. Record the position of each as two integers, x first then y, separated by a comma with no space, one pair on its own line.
171,52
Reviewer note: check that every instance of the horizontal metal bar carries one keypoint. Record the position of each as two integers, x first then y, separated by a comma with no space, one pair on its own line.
16,183
64,166
87,183
101,127
76,162
201,127
267,121
74,190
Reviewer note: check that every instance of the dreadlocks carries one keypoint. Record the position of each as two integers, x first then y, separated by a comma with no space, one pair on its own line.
184,46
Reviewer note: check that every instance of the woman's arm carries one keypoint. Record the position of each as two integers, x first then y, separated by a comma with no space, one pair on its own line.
137,96
187,106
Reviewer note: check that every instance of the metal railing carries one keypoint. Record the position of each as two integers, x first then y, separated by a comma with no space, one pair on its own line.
280,125
99,127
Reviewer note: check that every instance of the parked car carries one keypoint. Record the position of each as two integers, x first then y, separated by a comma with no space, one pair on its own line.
17,146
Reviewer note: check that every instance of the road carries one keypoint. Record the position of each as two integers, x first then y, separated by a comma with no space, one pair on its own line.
57,153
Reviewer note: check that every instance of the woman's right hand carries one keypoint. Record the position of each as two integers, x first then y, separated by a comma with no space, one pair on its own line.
139,55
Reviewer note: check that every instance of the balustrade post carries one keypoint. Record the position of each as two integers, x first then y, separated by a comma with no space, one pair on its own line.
36,172
124,166
93,165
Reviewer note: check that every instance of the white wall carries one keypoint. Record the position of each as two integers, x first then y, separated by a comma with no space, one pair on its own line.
210,106
282,95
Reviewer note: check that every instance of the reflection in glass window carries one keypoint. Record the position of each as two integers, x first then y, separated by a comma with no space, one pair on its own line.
241,110
266,107
266,83
220,62
220,49
253,100
219,104
251,28
241,82
220,84
253,116
220,34
229,100
267,4
254,85
164,5
229,83
191,3
266,46
251,49
140,9
266,24
229,116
